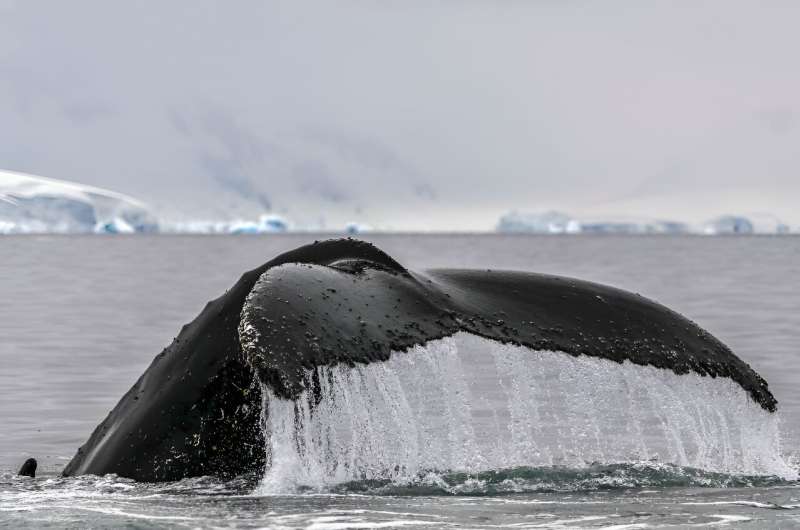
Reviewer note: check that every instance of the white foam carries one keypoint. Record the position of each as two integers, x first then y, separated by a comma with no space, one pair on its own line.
465,403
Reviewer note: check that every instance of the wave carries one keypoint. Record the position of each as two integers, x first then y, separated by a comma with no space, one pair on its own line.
594,477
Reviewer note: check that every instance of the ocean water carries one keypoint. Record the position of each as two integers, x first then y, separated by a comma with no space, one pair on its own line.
82,317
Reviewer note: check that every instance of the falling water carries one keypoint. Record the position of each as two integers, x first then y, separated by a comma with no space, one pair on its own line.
473,405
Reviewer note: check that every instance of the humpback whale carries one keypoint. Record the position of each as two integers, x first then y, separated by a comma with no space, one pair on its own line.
197,409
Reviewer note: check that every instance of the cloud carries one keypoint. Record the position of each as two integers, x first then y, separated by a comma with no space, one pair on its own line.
314,177
456,112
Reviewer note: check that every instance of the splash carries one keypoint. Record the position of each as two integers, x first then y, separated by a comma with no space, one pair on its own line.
465,404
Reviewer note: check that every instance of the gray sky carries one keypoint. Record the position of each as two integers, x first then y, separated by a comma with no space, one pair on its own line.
409,114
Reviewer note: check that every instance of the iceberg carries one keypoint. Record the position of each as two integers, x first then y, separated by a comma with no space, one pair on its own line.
553,222
115,226
353,229
647,226
668,227
729,224
267,224
601,227
32,204
195,227
272,224
549,222
767,223
243,227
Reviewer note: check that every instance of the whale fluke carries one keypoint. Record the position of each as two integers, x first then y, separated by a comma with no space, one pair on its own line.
197,409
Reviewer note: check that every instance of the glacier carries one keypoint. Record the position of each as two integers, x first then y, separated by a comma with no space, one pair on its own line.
32,204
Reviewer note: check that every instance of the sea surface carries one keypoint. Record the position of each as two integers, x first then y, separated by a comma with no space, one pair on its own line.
81,317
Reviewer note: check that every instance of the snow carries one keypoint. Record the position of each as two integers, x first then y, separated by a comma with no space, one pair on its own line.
32,204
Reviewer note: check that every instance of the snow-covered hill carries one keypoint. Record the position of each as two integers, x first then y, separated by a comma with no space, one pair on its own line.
31,204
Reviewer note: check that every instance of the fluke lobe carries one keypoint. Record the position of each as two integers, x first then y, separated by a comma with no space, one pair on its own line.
195,411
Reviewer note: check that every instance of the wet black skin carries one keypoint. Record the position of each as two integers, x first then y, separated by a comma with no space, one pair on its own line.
28,469
196,409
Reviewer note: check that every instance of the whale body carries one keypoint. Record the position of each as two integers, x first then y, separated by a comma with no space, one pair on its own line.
197,409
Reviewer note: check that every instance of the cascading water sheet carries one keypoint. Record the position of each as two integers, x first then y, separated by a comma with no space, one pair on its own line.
469,404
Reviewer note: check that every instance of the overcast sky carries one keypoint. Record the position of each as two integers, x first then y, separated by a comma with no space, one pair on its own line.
409,114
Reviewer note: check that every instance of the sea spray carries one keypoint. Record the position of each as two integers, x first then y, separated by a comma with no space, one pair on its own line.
466,404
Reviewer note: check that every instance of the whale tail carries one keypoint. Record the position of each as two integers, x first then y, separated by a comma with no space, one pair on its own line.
336,356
